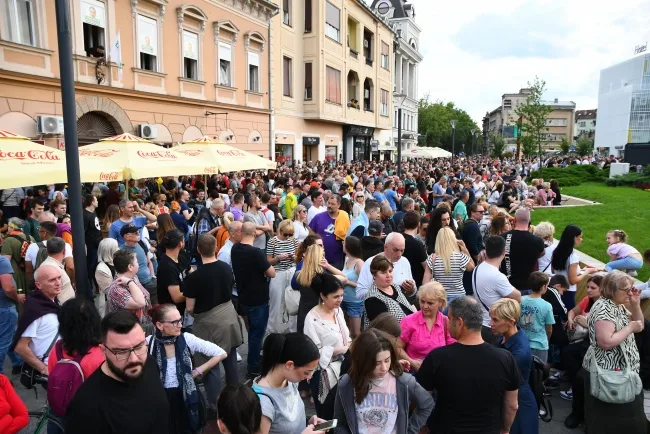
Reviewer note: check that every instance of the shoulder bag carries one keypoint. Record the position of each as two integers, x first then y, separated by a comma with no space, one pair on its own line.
614,387
28,374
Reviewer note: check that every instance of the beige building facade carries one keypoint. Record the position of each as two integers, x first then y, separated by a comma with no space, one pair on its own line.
559,123
331,80
182,70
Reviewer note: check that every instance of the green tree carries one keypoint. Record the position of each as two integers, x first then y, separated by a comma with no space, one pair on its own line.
565,146
434,124
497,144
585,146
533,112
528,145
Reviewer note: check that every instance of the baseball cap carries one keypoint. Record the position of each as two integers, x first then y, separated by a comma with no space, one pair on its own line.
375,227
129,229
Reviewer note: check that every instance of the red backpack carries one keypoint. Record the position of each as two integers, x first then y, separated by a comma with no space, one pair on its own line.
63,382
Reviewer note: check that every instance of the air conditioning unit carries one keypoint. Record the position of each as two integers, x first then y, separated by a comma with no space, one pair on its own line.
366,43
147,131
49,124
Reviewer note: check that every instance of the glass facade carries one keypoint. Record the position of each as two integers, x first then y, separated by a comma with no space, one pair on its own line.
639,130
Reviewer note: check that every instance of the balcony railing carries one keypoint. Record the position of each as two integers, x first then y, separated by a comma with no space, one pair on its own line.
354,53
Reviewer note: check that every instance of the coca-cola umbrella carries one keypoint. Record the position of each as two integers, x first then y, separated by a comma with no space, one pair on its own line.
138,158
23,162
225,157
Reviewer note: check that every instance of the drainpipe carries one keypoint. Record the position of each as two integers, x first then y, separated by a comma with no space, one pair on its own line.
271,115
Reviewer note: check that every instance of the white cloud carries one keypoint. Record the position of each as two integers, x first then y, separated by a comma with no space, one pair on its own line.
566,43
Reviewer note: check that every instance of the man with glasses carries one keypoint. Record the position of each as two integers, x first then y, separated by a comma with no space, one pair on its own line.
125,395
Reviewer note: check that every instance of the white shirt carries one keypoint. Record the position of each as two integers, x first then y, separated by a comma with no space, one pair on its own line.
491,285
224,252
573,259
299,231
42,331
479,189
544,263
313,211
401,272
33,248
196,345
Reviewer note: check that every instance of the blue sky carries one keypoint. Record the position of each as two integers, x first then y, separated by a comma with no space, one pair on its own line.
474,52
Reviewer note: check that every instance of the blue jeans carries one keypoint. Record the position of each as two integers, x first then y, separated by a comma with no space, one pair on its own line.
8,320
258,317
624,264
212,378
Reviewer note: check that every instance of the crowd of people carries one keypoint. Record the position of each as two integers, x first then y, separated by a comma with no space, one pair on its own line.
394,302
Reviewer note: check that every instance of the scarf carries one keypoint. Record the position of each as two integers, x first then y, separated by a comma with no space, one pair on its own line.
37,305
183,372
61,228
361,220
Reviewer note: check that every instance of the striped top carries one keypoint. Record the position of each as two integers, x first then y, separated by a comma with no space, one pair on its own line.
276,247
452,282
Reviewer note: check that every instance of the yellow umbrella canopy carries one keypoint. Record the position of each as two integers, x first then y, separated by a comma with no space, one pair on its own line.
225,157
138,158
23,162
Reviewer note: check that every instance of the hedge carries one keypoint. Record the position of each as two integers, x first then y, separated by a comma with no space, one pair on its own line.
641,180
571,175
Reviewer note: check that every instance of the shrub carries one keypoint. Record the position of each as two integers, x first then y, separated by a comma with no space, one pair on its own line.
571,175
629,179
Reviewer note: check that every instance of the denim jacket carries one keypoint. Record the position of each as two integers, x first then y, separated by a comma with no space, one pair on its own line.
408,391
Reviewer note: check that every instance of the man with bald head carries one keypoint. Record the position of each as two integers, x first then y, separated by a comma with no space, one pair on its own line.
394,246
252,272
523,249
38,327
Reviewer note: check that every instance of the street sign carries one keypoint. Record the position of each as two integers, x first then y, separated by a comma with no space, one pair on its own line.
572,148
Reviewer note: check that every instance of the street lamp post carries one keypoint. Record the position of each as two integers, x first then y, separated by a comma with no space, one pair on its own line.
473,132
453,140
399,133
64,37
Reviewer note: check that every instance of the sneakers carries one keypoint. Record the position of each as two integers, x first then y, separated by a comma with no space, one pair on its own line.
572,421
239,359
559,376
568,394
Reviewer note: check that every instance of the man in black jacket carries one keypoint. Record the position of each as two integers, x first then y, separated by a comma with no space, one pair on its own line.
473,240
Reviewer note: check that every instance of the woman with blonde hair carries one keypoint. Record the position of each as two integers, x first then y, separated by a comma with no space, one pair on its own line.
359,203
300,227
222,234
313,264
280,252
546,231
504,315
426,329
448,263
104,272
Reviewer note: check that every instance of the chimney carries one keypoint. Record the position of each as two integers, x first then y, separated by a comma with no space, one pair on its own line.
556,100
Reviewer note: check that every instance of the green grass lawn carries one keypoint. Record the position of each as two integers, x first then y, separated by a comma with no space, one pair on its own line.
623,208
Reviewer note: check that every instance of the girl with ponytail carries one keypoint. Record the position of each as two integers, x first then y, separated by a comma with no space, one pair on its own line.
287,359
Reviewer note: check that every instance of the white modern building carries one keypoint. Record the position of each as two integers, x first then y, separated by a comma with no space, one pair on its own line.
401,16
623,106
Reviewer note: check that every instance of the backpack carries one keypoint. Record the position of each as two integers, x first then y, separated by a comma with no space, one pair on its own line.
538,374
23,249
41,255
63,381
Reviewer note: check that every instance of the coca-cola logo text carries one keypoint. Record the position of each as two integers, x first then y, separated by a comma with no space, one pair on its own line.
156,154
231,153
103,153
35,154
109,176
192,153
211,169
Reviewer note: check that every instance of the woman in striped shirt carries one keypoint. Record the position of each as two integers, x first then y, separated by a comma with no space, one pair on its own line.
447,265
280,251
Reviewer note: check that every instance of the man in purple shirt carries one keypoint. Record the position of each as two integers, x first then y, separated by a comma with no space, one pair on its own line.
323,225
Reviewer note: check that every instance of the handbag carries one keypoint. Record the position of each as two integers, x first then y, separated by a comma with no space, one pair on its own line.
28,374
614,387
291,300
578,334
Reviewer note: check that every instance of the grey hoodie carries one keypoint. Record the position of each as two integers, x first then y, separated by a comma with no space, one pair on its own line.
408,390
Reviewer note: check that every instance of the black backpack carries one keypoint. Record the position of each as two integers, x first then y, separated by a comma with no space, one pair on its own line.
538,374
